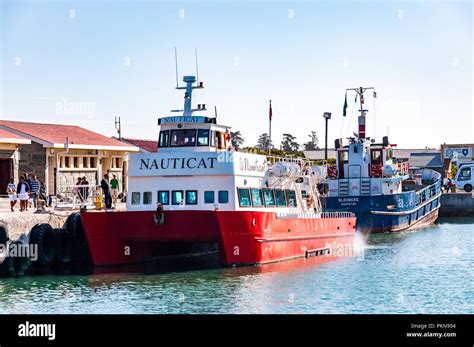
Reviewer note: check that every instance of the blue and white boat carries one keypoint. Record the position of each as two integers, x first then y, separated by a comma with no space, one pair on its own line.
384,193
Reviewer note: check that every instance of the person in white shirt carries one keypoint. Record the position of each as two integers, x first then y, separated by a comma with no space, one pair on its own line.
23,190
11,191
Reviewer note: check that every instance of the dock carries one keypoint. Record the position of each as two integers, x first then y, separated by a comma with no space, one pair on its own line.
457,205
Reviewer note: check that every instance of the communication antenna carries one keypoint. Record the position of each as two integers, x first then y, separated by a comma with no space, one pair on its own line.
197,69
118,127
215,111
176,64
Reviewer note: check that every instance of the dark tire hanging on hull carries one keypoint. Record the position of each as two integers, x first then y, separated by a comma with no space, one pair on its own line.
15,266
64,250
43,236
81,261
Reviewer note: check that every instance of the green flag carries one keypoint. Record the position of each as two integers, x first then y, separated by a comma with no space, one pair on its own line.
344,112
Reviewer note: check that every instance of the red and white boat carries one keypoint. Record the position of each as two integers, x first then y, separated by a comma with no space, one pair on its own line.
197,196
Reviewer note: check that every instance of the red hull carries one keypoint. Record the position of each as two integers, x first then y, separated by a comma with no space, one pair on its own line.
123,238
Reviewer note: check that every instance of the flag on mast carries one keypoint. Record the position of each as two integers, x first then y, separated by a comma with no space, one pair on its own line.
344,112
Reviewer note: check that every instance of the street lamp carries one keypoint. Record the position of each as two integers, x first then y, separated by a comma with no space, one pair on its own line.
327,116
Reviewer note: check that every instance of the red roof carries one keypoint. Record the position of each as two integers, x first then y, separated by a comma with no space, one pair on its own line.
147,145
4,134
57,133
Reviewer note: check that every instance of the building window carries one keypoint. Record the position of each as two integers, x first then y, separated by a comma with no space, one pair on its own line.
191,197
269,197
135,198
203,137
66,162
147,197
116,163
164,197
244,197
280,197
209,197
257,200
291,198
164,138
177,197
223,196
183,137
85,162
93,164
76,162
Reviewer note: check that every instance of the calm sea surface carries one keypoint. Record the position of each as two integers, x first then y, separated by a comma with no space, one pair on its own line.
427,271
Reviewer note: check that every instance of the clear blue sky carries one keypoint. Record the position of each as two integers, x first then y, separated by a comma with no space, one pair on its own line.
116,58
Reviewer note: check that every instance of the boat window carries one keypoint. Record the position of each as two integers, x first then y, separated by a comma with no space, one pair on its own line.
388,154
280,197
135,198
291,198
191,197
257,200
177,197
223,196
209,197
147,197
183,137
269,197
164,138
376,155
244,197
343,156
465,174
164,197
203,137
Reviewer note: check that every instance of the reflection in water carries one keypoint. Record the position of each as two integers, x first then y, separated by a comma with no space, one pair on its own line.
427,271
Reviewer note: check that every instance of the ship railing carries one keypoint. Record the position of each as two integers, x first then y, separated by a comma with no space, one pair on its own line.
313,215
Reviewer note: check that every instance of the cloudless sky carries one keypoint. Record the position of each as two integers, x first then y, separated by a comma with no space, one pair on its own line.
116,58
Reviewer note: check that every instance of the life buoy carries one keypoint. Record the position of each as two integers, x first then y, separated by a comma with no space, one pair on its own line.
332,172
377,170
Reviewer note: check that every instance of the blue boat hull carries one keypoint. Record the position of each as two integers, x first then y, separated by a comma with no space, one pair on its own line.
388,213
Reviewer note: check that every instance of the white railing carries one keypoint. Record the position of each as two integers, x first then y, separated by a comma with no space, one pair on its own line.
72,196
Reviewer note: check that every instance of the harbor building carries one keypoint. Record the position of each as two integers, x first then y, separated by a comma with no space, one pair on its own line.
10,144
58,154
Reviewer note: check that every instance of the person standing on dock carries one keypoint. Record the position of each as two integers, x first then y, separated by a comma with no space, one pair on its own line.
28,182
85,190
104,184
23,190
114,185
34,190
11,191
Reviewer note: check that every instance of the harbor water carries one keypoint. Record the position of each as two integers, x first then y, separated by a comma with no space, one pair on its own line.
430,270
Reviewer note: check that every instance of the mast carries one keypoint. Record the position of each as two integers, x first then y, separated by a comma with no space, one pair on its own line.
360,92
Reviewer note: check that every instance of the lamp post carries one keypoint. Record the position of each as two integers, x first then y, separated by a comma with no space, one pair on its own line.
327,116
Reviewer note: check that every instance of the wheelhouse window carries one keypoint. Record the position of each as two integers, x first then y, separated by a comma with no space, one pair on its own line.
209,197
344,156
269,197
257,199
291,197
135,198
203,137
280,197
164,138
183,137
191,197
376,155
177,197
223,196
147,198
244,197
164,197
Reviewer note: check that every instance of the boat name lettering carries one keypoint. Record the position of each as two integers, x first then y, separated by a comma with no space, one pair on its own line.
246,165
182,119
348,201
177,163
